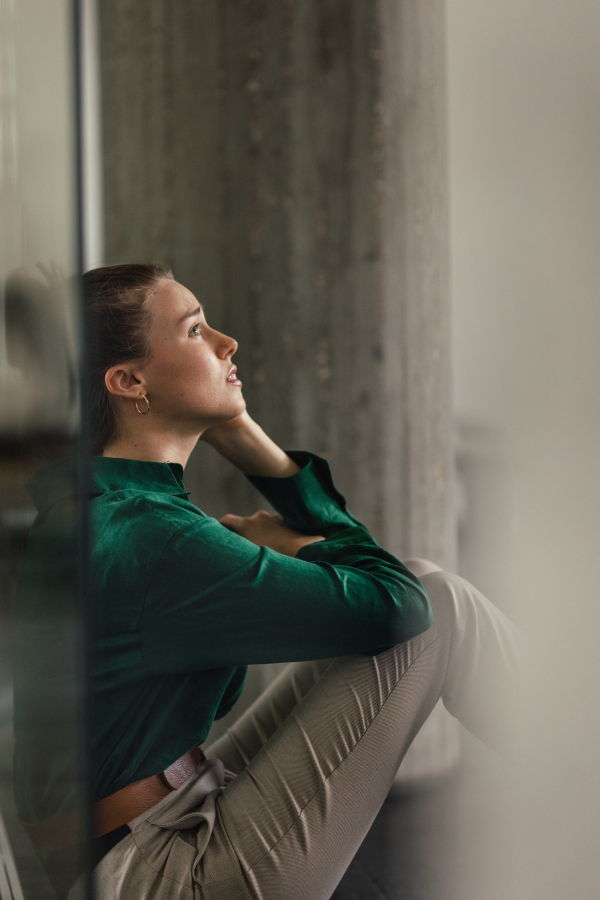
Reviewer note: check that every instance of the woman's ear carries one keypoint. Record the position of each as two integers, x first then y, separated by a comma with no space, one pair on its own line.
122,381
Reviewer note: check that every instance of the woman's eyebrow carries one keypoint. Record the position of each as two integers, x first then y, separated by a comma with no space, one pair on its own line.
189,315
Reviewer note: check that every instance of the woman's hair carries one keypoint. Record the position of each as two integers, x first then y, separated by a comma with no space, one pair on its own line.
118,320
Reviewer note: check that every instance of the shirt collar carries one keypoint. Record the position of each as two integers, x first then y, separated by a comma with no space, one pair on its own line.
58,479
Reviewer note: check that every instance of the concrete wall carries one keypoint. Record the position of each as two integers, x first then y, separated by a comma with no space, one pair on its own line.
288,161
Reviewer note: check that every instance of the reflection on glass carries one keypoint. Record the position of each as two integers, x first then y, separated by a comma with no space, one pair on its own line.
39,353
41,684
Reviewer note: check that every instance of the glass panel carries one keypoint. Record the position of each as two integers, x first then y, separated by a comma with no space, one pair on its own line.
41,658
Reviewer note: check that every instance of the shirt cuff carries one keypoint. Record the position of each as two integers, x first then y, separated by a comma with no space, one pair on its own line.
308,501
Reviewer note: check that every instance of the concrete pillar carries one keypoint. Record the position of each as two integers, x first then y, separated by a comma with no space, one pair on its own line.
288,160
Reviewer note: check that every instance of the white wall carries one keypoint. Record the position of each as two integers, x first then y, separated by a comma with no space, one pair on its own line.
524,119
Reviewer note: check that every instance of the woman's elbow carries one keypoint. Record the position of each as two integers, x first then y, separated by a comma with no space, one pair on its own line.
412,616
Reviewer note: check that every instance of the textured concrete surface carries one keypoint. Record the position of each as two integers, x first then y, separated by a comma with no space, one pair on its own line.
288,160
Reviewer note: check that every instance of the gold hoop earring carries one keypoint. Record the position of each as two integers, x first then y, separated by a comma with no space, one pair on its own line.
141,412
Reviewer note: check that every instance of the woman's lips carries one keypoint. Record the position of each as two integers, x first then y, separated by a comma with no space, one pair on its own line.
231,378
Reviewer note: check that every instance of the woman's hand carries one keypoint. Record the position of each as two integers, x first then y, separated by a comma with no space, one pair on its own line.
244,443
219,435
268,530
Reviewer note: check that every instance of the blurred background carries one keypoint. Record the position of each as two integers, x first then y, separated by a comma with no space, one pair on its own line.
39,404
395,208
524,126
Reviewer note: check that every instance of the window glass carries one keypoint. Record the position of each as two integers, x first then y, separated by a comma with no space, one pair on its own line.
42,697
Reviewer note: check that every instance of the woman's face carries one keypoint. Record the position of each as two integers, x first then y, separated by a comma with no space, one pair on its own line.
189,378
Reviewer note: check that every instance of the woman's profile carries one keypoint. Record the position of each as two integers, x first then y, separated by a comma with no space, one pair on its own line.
181,604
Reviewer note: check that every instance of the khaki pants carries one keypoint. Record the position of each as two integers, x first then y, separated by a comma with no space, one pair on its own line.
288,794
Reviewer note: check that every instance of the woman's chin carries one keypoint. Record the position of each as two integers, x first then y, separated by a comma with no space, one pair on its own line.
231,415
240,407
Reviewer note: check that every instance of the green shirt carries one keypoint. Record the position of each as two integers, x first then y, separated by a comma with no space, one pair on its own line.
181,605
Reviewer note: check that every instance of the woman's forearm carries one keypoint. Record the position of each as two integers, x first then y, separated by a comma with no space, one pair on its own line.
247,447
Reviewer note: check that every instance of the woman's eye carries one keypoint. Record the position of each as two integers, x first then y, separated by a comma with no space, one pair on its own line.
195,330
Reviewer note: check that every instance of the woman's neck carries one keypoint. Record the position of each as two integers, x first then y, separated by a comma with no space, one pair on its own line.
152,448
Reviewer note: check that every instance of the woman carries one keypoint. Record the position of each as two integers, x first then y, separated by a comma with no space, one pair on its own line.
182,604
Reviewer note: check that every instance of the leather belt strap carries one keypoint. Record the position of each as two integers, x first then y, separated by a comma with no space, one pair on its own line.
119,808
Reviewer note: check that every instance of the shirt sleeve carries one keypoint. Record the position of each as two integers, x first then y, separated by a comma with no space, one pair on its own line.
216,599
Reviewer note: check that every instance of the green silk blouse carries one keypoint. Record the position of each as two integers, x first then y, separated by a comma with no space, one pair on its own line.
180,606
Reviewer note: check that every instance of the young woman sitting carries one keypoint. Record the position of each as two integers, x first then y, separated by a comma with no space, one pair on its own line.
182,604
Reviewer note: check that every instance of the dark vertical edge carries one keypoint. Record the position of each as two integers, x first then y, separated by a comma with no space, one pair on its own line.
271,121
395,263
289,331
83,448
301,221
364,261
450,535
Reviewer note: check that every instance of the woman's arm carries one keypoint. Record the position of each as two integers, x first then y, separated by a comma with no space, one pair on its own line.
266,530
244,443
216,599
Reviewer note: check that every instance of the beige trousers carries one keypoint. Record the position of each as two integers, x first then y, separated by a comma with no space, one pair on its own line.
288,794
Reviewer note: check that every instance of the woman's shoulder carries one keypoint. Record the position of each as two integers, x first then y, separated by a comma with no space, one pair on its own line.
130,532
140,489
142,511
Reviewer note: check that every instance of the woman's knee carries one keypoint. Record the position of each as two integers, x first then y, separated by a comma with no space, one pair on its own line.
449,595
463,608
420,567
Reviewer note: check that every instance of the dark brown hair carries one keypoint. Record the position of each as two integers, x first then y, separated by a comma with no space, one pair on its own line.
118,324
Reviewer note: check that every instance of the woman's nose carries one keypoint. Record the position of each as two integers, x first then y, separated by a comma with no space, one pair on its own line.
226,345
